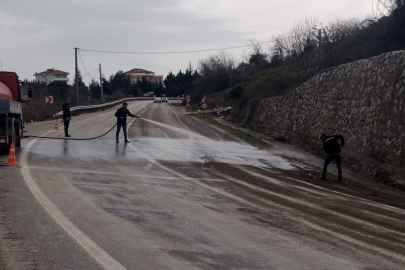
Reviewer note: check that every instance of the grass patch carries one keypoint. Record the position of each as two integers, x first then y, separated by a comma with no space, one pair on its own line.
236,132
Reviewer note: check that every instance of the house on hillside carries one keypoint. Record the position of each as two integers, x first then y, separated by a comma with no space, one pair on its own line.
138,73
51,75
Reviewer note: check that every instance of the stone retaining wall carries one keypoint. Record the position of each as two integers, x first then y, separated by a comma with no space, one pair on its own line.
364,101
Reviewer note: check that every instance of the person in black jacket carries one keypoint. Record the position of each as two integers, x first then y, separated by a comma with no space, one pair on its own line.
332,148
66,116
121,115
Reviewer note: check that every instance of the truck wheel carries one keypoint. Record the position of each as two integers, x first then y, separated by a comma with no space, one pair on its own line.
18,142
4,150
18,133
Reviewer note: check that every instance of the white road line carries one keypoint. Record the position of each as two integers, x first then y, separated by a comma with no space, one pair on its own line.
202,184
96,252
184,125
203,140
178,118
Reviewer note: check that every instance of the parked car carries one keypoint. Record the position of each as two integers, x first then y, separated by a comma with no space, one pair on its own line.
157,100
164,99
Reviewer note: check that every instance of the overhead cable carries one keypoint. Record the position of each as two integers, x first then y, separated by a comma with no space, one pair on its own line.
91,73
84,66
296,36
179,52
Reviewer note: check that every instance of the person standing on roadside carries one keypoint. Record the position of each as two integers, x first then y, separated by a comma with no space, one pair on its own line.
333,150
66,116
121,115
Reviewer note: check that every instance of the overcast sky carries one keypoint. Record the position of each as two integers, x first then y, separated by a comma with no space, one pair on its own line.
40,34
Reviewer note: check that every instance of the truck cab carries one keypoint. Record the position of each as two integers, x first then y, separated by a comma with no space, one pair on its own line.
11,122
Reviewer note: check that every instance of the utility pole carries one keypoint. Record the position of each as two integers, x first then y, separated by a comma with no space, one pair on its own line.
101,84
320,43
77,77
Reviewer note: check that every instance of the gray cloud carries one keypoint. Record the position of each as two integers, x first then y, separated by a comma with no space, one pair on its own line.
42,34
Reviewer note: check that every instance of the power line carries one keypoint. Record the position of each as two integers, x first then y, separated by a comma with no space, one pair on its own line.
91,73
202,50
84,65
181,52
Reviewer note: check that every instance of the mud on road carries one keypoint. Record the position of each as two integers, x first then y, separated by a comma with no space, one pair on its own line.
184,195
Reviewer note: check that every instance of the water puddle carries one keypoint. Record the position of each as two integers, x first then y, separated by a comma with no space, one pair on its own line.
114,173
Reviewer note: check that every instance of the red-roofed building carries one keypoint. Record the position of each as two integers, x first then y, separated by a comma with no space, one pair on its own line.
138,73
51,75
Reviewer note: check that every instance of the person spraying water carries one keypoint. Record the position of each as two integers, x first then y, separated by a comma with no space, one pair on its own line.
121,115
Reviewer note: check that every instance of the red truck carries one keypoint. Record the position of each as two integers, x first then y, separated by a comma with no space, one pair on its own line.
11,119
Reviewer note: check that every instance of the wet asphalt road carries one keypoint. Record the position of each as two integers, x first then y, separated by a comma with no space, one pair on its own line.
182,195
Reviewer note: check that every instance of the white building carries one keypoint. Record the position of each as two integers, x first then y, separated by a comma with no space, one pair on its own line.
52,75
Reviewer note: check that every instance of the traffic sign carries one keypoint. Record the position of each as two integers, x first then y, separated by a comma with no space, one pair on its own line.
204,100
188,98
204,105
48,99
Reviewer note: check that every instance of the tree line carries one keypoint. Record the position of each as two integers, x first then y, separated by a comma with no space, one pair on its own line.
298,54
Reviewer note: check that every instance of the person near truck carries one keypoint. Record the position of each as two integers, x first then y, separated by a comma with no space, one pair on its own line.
121,115
66,117
334,152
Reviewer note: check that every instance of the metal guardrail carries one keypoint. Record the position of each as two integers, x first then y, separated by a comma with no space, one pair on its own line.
98,106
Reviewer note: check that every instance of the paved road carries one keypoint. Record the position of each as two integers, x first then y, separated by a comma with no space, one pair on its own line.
182,195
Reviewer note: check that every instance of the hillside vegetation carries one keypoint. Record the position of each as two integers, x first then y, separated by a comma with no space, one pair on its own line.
295,56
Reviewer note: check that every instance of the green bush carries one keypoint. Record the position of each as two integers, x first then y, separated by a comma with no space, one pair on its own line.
236,92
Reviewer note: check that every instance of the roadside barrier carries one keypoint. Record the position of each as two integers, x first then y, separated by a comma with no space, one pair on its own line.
100,106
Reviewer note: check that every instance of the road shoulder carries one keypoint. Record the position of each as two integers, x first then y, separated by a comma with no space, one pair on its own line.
30,239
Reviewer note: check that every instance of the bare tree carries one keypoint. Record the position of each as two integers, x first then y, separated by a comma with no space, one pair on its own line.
341,29
216,72
257,57
385,7
278,52
302,42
